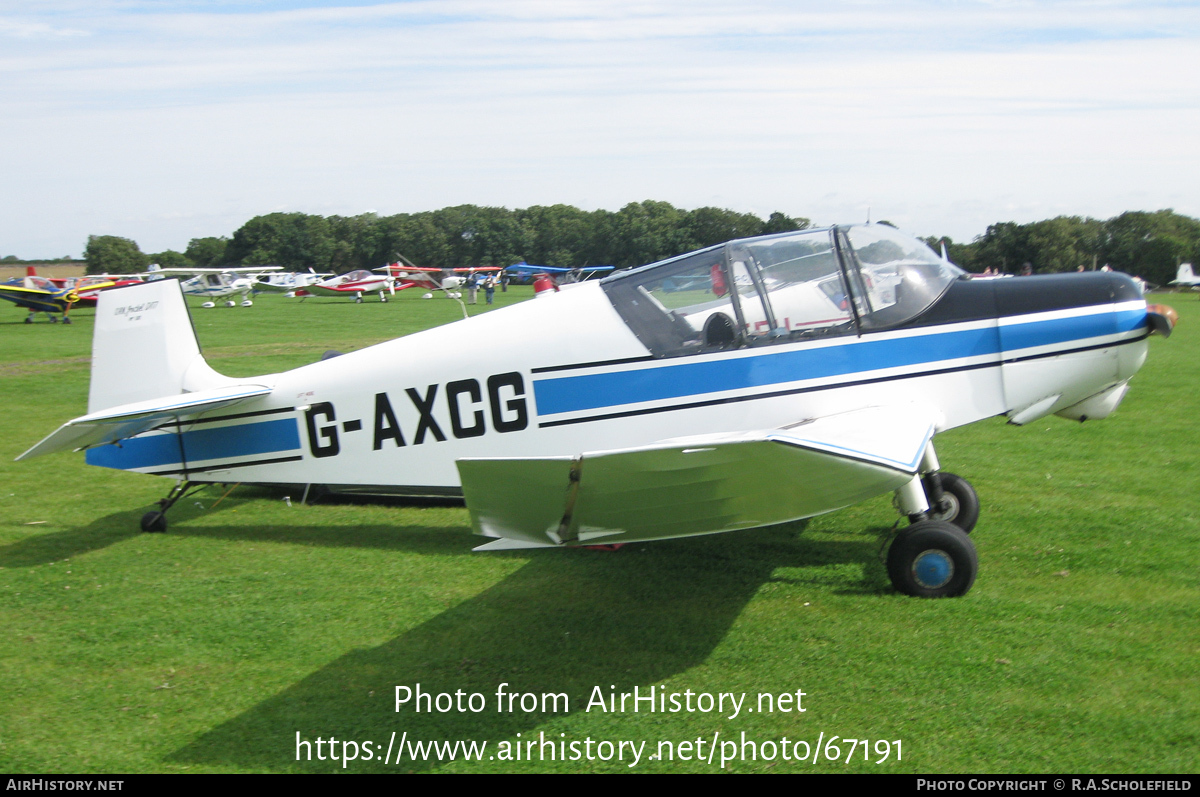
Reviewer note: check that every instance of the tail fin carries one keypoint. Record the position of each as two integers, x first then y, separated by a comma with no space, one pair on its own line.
144,347
1184,274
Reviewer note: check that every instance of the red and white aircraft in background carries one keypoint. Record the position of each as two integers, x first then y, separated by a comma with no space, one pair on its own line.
406,275
352,283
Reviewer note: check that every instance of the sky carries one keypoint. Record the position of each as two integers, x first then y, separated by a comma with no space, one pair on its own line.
168,120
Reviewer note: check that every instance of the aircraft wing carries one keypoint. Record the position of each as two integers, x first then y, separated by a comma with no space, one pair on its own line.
696,485
267,287
526,270
127,420
160,272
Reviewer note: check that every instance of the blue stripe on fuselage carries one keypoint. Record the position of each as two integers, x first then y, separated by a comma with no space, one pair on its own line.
199,445
857,355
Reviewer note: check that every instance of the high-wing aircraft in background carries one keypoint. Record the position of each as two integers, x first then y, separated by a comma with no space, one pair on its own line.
1185,278
524,271
288,282
759,381
216,283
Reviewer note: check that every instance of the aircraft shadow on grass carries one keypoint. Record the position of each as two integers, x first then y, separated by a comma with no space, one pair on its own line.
41,549
565,622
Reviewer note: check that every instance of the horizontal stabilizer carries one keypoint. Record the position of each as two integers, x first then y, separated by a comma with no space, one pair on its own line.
511,545
127,420
698,485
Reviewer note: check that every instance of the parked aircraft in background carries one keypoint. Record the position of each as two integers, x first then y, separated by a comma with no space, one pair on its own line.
353,283
41,295
216,283
759,381
88,287
523,272
1185,278
448,280
288,282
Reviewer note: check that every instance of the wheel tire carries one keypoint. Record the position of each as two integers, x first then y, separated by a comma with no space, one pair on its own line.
66,320
932,559
154,522
960,503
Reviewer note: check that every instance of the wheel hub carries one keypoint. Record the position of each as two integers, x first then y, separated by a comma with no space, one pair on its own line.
947,508
933,569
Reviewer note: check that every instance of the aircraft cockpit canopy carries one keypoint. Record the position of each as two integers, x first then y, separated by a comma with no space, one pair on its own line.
779,288
356,276
40,283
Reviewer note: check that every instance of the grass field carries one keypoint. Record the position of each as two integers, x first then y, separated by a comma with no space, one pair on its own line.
207,649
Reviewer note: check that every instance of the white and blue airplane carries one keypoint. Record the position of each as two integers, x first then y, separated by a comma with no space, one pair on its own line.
525,271
216,283
760,381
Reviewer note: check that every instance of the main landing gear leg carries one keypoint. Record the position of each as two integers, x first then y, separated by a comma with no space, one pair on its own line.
933,557
155,521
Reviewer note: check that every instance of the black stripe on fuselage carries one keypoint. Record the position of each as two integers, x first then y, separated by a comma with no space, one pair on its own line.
598,363
238,416
223,466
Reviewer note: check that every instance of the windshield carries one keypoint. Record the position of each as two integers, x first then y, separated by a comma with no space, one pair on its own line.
900,277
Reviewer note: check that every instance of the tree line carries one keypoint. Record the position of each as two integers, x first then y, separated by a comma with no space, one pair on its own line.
1148,244
464,235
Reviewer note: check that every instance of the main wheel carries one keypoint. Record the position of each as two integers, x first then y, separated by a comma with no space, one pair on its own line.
66,320
154,522
932,559
959,504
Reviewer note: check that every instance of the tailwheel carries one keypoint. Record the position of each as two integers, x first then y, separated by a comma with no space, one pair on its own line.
154,522
953,500
932,559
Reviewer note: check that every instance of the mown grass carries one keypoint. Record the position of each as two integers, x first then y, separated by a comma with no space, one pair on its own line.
208,648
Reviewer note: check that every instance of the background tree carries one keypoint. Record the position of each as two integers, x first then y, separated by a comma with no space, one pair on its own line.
109,254
779,222
1151,245
170,259
296,241
206,252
